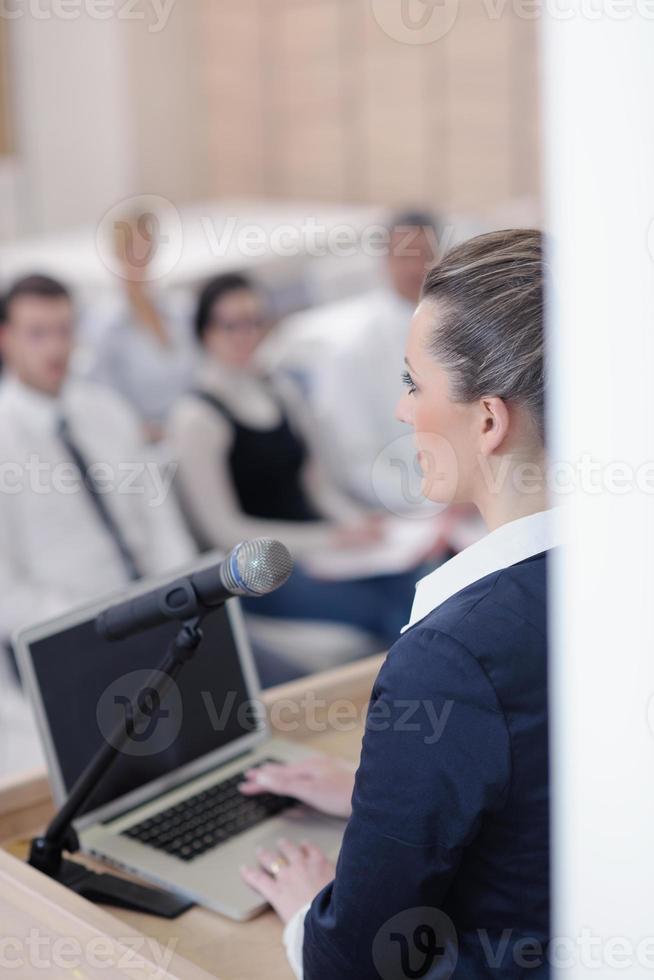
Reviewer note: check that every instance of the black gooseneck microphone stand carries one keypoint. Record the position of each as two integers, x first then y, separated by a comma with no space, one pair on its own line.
46,852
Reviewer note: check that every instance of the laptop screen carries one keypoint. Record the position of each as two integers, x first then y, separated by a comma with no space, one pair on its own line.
86,684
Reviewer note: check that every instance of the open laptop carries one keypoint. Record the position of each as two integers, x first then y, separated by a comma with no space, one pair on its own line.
168,810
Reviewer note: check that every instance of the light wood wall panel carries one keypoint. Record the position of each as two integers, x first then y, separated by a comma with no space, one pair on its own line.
312,98
233,53
392,116
478,52
525,103
305,99
166,114
5,141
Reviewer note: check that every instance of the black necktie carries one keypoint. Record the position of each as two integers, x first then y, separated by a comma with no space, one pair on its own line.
96,498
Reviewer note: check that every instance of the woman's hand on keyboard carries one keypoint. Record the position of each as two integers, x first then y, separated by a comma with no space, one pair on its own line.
320,781
290,877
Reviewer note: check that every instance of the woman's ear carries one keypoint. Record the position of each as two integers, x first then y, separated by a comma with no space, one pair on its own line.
494,424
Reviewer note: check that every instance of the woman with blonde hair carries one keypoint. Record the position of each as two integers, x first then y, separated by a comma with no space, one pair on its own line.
444,867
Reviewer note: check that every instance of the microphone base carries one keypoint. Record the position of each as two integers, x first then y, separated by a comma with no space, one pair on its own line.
102,889
106,889
47,850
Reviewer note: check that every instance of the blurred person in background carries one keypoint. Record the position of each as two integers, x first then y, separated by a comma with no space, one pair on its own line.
145,350
358,375
367,362
248,467
82,509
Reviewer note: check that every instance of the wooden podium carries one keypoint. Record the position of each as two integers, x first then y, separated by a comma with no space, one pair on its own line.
47,930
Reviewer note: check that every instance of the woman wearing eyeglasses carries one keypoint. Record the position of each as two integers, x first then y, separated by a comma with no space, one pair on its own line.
444,867
248,467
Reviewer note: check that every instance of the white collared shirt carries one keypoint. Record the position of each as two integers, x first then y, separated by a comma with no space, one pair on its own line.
356,388
506,545
54,550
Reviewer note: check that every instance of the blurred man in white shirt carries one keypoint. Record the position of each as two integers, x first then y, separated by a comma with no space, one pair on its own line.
349,359
83,510
358,384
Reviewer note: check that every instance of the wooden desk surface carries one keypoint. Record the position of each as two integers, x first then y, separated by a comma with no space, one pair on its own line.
325,711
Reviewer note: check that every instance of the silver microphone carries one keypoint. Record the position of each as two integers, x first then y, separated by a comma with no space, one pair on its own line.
252,568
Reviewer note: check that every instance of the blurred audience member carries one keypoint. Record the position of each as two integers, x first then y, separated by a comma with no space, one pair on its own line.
248,467
356,386
82,510
146,350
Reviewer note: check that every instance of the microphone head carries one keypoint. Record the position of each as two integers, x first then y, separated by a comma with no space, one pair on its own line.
257,567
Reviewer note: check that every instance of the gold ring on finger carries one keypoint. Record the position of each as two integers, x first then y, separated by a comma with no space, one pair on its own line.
276,867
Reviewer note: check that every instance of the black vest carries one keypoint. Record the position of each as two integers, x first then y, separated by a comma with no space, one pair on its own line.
266,466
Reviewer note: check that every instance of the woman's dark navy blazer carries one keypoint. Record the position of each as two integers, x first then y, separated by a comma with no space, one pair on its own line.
450,810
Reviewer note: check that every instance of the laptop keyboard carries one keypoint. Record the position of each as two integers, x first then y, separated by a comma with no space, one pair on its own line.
208,819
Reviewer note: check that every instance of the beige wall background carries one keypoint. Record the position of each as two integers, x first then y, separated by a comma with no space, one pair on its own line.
313,98
304,99
103,110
